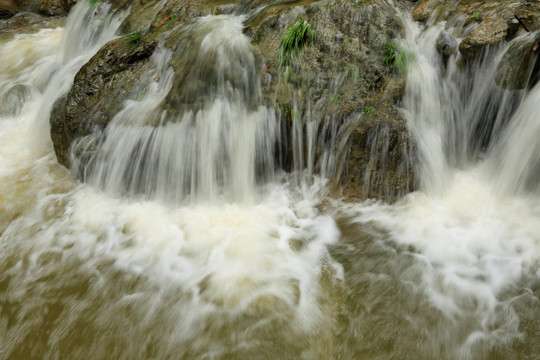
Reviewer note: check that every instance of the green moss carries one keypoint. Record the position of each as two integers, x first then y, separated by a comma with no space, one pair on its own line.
476,15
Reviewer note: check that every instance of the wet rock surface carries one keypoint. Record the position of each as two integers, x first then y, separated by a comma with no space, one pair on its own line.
382,159
9,8
343,76
423,10
519,65
491,31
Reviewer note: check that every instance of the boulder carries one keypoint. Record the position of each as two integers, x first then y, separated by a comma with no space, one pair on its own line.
519,64
491,31
26,22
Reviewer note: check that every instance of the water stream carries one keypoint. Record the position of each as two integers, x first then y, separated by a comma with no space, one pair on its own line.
184,250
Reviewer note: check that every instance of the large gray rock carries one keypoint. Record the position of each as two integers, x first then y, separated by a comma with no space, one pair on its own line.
342,75
491,31
98,91
54,7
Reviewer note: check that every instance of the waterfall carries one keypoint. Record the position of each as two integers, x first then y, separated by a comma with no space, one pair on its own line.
456,114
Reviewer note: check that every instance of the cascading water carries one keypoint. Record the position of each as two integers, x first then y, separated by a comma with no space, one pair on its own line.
206,153
247,271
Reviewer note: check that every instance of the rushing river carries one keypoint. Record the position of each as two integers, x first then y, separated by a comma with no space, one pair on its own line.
196,259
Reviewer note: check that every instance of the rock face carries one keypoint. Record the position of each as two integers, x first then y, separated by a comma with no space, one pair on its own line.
341,76
519,64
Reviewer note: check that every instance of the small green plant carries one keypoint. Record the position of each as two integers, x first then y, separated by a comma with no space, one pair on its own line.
295,39
334,98
93,2
293,42
476,15
397,56
134,38
368,110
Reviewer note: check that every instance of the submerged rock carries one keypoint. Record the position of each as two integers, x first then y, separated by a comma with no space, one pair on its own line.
519,64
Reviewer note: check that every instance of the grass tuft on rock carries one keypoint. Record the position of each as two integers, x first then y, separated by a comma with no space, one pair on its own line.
293,42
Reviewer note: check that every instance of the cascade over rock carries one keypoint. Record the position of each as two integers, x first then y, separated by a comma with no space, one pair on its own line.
335,80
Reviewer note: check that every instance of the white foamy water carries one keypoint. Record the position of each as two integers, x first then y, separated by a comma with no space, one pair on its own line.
270,270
